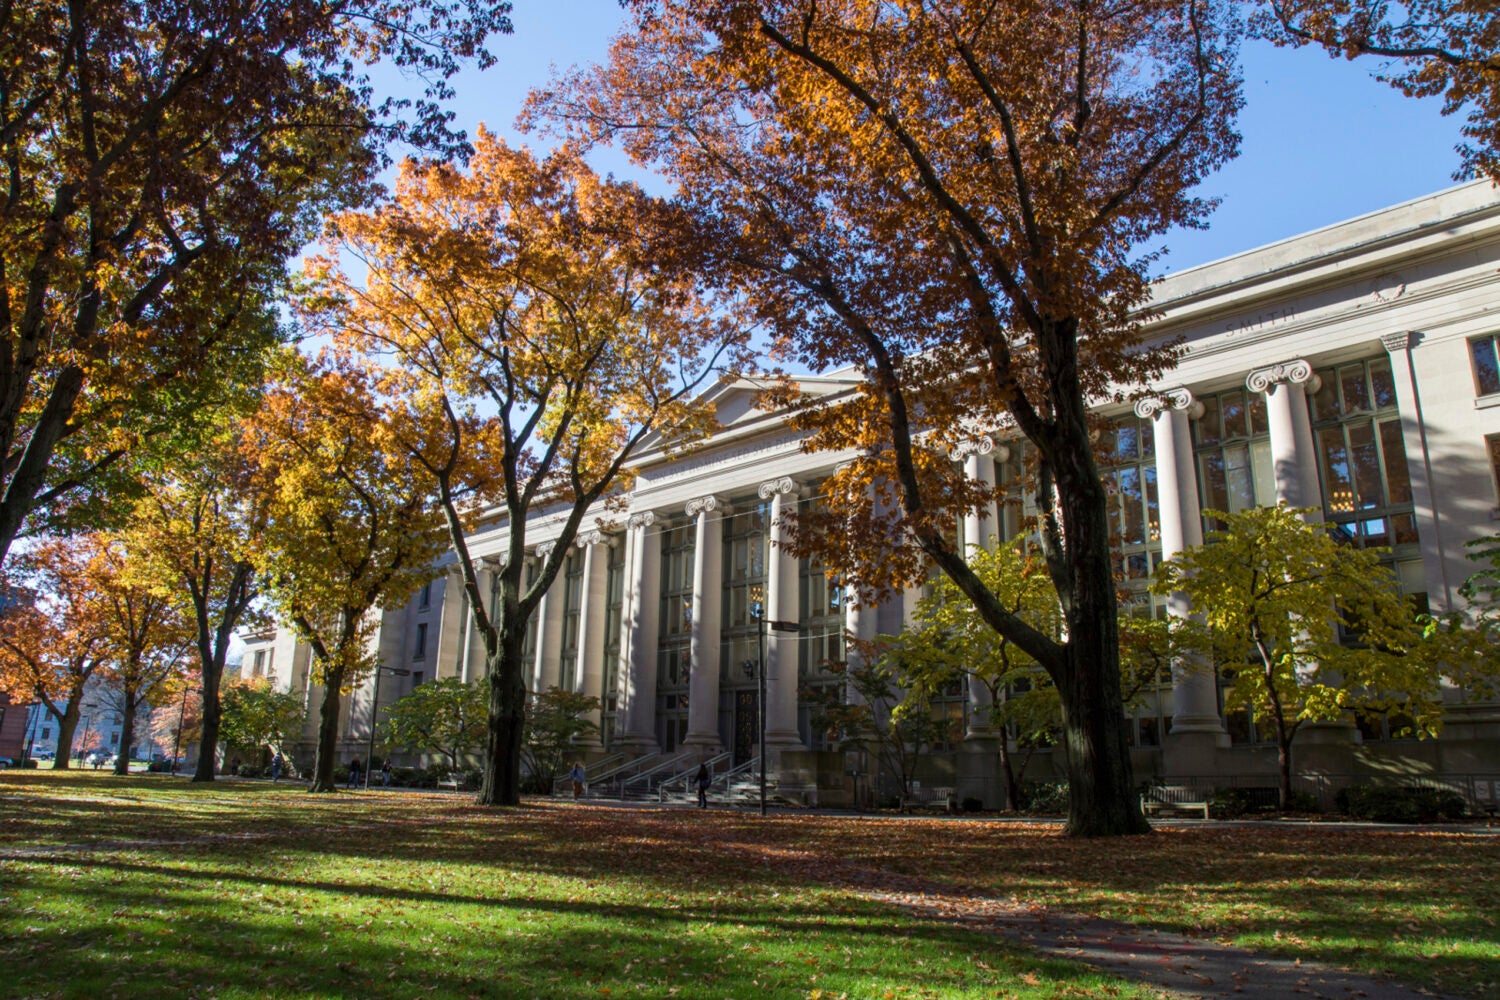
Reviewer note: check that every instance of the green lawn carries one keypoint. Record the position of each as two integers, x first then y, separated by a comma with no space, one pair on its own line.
149,884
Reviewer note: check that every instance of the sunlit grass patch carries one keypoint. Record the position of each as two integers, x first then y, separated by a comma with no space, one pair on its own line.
151,886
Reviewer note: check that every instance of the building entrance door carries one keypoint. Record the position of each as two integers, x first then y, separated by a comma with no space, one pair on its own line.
746,725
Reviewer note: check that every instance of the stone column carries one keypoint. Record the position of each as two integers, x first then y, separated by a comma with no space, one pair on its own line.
643,585
708,587
978,526
549,627
450,638
1293,454
1195,699
1430,527
592,612
781,605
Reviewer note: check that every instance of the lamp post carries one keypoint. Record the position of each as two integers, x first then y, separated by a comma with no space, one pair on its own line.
375,714
177,743
757,596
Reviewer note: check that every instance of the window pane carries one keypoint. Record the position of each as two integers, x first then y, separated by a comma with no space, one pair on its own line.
1234,414
1214,494
1339,488
1366,463
1403,529
1127,443
1258,423
1208,424
1397,477
1263,471
1352,381
1153,504
1132,507
1494,447
1148,439
1237,478
1382,384
1486,372
1326,400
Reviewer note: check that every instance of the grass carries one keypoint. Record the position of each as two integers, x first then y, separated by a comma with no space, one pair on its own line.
146,884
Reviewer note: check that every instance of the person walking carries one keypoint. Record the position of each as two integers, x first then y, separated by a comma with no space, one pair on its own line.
702,780
277,763
385,774
354,769
577,776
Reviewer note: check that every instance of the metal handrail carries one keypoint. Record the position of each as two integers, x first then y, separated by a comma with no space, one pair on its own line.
671,761
561,784
687,776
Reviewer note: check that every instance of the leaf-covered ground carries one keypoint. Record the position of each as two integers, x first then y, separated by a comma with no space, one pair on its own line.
129,887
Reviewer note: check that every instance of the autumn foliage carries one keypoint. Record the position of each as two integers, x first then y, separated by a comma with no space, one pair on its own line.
957,199
527,344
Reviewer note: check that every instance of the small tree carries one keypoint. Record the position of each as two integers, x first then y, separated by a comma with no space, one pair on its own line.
531,345
258,719
178,723
149,635
53,644
1305,628
896,721
350,527
555,722
446,716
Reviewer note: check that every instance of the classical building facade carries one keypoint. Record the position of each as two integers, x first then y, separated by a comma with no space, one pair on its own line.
1353,369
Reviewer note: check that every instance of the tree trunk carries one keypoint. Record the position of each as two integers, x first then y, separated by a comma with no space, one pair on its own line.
1102,799
67,727
208,741
127,734
501,785
328,731
1012,781
1284,765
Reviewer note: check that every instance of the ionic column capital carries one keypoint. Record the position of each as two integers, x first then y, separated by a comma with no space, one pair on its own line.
981,445
544,549
1166,400
1298,372
644,519
777,487
706,505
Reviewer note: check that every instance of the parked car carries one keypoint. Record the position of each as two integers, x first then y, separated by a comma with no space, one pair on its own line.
44,755
6,762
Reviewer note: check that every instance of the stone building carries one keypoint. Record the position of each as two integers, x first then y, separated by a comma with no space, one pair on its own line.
1353,368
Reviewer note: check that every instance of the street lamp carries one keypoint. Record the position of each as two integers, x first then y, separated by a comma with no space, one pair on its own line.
375,714
757,598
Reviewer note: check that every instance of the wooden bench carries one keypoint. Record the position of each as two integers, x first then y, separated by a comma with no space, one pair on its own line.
1173,798
450,781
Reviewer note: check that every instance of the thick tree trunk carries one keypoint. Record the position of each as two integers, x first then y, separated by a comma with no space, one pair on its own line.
501,785
1102,799
67,727
1008,768
30,475
328,731
208,741
127,734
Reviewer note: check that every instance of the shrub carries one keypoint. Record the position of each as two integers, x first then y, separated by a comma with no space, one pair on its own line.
250,771
29,764
1044,796
1408,804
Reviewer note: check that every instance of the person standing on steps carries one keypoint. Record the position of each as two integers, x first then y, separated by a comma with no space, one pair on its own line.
701,781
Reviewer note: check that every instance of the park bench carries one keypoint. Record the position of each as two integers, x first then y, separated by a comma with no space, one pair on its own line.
938,797
454,780
1159,799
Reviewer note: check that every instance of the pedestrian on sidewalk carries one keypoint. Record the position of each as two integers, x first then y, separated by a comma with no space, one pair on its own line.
577,776
354,769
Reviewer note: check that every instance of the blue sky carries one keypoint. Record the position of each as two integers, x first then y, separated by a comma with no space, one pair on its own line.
1323,140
